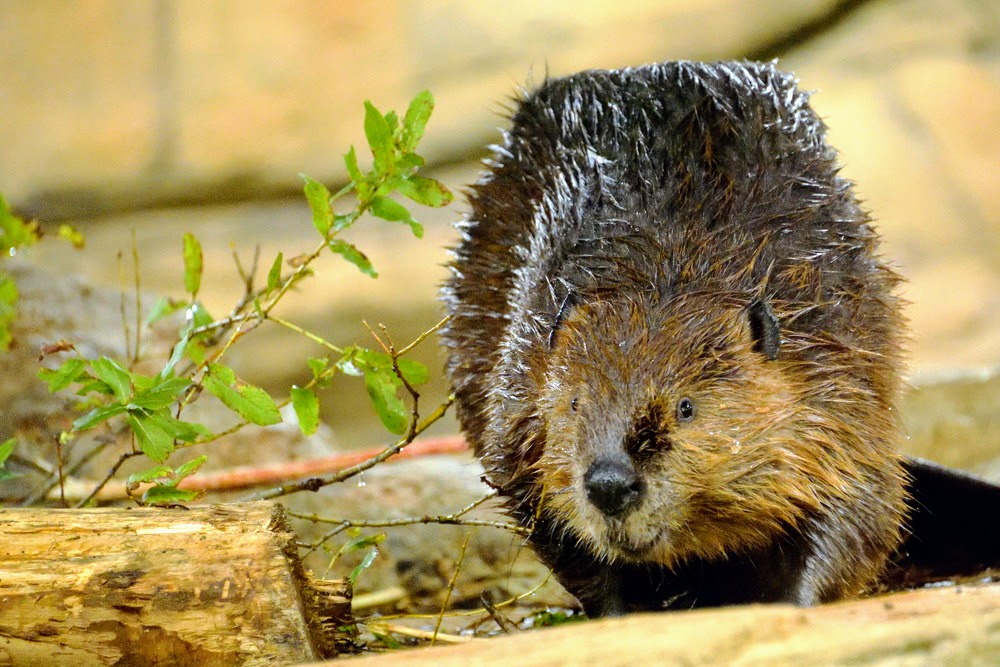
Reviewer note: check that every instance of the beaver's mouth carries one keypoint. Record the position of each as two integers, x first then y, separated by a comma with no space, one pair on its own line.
631,546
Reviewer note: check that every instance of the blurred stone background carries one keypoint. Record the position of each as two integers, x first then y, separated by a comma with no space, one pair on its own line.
165,117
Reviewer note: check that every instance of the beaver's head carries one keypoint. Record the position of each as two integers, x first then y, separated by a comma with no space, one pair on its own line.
683,429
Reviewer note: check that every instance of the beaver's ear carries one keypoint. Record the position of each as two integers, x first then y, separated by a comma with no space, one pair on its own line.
764,329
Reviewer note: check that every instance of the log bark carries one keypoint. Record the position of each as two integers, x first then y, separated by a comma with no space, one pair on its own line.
951,625
212,585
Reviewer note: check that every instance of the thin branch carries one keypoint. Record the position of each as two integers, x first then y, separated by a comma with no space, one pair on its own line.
386,628
107,478
390,349
247,276
44,488
454,519
504,623
136,353
422,337
469,612
122,300
316,483
308,334
62,477
799,35
451,587
364,523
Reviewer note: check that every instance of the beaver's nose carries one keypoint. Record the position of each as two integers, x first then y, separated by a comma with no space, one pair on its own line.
613,485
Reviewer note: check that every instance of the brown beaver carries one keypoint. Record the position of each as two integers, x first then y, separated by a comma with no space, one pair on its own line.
674,346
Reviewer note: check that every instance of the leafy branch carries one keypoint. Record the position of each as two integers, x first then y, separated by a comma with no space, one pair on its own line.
149,409
15,235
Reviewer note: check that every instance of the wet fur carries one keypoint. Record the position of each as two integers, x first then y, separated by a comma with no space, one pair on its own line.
616,259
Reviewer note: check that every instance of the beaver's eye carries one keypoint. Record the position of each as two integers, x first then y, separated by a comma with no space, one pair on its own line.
685,409
573,404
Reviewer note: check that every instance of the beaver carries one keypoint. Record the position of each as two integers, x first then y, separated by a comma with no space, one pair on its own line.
674,345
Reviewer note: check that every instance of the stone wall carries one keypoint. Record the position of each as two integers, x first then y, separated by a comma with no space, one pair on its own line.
164,117
111,104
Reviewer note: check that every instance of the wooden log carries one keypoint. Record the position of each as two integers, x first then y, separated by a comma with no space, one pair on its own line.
212,585
950,625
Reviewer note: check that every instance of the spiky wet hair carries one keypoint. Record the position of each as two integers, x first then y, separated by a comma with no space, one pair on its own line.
602,169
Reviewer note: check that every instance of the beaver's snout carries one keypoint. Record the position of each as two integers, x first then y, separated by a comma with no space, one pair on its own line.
613,485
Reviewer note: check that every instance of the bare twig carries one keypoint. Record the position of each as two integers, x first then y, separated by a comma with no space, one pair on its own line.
451,587
504,623
107,478
378,598
247,276
122,300
474,612
308,334
386,628
454,519
44,488
137,351
422,337
59,470
316,483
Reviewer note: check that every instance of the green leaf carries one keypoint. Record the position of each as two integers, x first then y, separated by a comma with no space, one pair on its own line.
157,431
197,316
91,385
393,211
365,563
342,222
382,386
71,234
319,202
409,162
306,405
149,475
390,642
64,376
318,365
8,309
164,307
349,252
425,191
250,402
166,494
274,275
97,415
415,372
15,232
6,449
392,120
192,264
380,139
359,541
181,430
223,373
415,121
351,162
162,395
154,440
347,366
8,290
190,468
115,376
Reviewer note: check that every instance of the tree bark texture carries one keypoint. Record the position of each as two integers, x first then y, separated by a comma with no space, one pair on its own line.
211,585
948,625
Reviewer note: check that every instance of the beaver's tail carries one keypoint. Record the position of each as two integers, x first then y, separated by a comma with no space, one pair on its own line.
954,526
